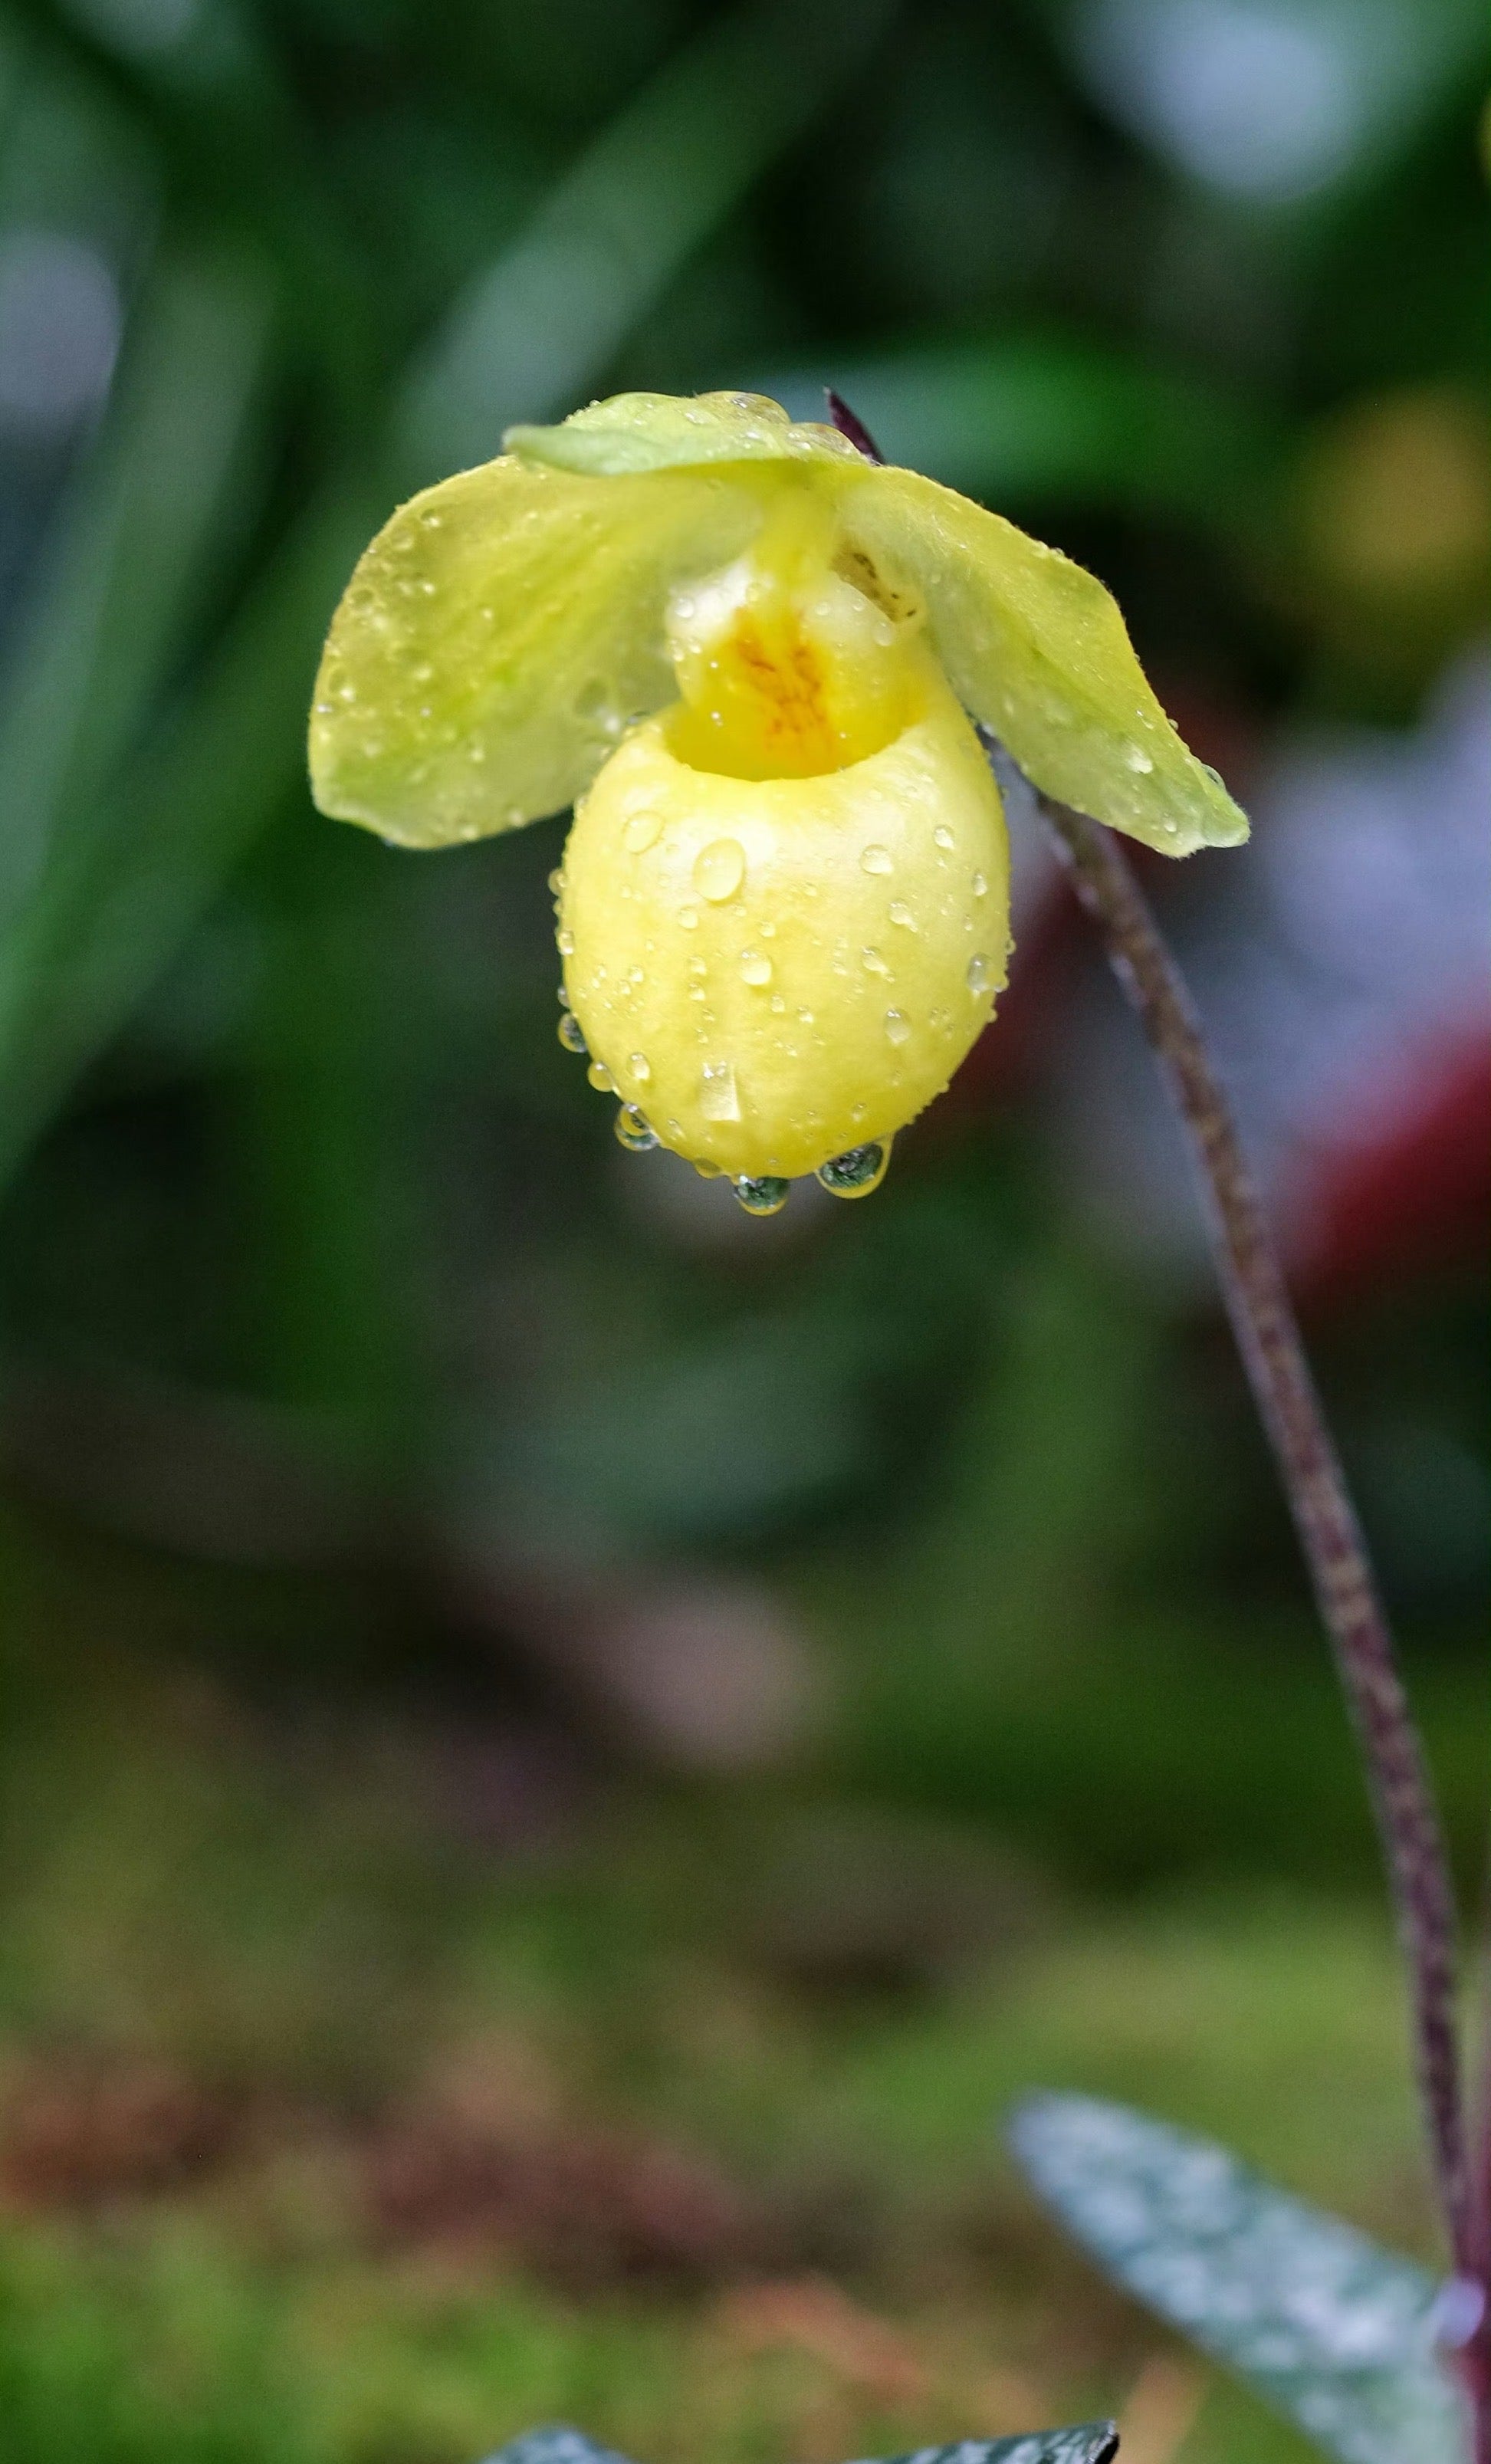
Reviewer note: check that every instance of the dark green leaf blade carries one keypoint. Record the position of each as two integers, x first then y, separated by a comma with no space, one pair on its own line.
1334,2332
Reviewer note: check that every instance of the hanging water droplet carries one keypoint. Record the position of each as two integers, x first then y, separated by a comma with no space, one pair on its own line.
873,962
978,975
641,830
943,838
898,1027
764,1194
571,1034
565,940
563,997
855,1174
980,886
719,869
754,968
641,1067
600,1078
876,859
634,1130
900,913
710,1170
719,1098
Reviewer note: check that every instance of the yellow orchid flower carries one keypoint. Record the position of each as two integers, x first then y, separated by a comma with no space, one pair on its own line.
745,653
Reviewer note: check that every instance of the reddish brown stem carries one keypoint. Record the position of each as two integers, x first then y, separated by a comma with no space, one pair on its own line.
1268,1337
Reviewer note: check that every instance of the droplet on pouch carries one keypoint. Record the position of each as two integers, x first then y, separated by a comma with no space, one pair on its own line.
641,830
872,963
856,1173
634,1130
557,880
641,1067
566,939
900,913
754,968
943,838
1138,759
980,886
876,859
978,975
710,1170
719,1098
571,1034
764,1194
600,1078
688,918
719,869
898,1027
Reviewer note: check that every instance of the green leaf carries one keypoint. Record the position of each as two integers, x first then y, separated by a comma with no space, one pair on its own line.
1095,2442
1336,2333
1036,649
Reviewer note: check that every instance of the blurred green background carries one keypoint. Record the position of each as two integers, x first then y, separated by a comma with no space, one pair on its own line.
565,1751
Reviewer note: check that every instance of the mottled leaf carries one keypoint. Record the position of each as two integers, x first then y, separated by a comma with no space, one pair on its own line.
1035,647
1096,2442
1336,2333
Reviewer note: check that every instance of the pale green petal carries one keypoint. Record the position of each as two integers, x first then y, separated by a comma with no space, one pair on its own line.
1034,647
660,432
499,635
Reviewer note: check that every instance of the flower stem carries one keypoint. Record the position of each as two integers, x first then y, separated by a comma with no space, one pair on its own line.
1268,1338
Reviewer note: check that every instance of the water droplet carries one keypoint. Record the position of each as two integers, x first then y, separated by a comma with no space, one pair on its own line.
872,961
710,1170
719,1098
636,975
566,939
980,886
754,968
979,974
857,1173
876,859
641,1067
900,913
805,1017
634,1130
641,830
719,869
763,1194
572,1035
1138,759
600,1078
898,1027
563,997
943,838
688,918
557,880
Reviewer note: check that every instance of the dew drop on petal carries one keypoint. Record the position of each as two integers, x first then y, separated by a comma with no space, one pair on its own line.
978,975
600,1078
943,838
1138,759
764,1194
634,1130
641,1067
980,886
641,830
754,968
688,918
710,1170
566,939
872,961
855,1174
719,869
900,913
898,1027
719,1098
571,1034
876,859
